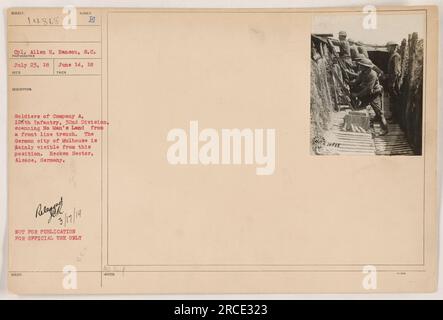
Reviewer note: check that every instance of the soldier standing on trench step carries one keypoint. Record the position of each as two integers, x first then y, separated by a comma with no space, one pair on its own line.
345,51
367,89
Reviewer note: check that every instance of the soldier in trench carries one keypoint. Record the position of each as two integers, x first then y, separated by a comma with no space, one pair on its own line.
353,51
368,91
393,79
353,74
361,49
344,48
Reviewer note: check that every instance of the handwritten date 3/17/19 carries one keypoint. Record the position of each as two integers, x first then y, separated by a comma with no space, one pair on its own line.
54,212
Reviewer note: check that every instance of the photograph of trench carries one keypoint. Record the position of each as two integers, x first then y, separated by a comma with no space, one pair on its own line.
366,97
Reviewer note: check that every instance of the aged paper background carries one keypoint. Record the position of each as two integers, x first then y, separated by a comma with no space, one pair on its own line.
154,228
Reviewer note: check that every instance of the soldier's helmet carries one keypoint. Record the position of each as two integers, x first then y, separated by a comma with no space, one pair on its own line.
391,43
351,40
366,62
359,57
342,33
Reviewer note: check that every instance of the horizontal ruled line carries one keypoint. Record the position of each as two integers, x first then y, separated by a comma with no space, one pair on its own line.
51,75
51,25
54,41
221,271
51,58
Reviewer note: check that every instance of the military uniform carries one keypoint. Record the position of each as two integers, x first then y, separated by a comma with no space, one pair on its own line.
362,50
344,49
354,74
393,80
353,51
369,91
394,72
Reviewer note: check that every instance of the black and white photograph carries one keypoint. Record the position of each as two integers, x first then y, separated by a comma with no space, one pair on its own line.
218,159
367,84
